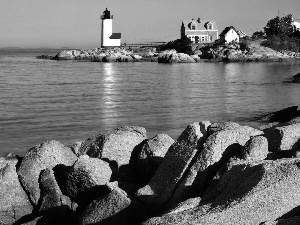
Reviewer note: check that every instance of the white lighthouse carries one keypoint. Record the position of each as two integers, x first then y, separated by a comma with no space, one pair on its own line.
108,38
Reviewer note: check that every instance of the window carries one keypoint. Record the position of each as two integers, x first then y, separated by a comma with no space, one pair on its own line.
210,38
193,27
202,39
196,39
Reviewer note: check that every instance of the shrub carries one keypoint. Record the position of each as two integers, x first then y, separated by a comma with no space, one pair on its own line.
244,46
182,45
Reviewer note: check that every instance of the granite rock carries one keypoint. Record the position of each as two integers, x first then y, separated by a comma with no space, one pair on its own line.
115,146
256,148
86,173
283,138
152,154
14,201
114,208
38,158
176,161
249,193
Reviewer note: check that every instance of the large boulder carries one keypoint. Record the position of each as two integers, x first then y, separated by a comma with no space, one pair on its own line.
171,56
185,58
67,54
281,116
296,78
86,174
249,193
152,154
216,152
293,121
164,56
14,202
52,197
176,161
284,138
256,148
116,145
116,208
38,158
214,127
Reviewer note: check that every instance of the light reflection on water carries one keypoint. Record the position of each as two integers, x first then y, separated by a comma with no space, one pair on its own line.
69,101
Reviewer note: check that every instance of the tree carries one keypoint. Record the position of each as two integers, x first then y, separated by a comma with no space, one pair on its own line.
280,26
258,34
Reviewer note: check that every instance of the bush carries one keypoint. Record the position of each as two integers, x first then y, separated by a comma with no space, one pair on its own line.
282,43
182,45
244,46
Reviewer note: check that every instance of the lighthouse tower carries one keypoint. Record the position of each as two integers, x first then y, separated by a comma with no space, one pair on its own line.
108,38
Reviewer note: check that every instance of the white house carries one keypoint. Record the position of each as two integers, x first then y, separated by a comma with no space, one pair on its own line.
296,24
108,38
199,31
229,34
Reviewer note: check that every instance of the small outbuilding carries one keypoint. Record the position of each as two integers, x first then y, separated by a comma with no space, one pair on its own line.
229,34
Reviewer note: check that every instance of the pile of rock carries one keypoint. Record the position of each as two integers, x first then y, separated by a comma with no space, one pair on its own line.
171,56
254,52
107,55
220,173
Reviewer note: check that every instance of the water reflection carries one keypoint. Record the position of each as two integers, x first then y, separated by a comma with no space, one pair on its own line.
109,95
232,77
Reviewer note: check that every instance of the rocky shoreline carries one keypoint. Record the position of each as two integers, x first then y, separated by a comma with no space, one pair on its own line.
214,173
233,52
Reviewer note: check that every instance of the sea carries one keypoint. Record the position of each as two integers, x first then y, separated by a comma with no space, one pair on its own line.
69,101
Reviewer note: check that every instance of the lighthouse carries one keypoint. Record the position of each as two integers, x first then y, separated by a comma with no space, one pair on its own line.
108,38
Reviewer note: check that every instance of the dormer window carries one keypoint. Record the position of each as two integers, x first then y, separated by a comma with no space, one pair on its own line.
193,27
209,26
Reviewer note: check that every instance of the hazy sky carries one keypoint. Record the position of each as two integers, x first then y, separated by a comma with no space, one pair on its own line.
76,23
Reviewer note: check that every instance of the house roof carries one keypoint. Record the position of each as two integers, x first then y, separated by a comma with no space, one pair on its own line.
226,30
201,25
115,36
241,33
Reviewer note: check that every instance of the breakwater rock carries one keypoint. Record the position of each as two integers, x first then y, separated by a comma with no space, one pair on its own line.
108,55
214,173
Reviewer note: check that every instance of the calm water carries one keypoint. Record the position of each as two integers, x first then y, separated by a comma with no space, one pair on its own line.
69,101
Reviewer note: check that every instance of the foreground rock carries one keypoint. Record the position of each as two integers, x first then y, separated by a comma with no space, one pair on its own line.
53,201
115,208
116,145
284,138
43,156
14,202
152,154
217,150
85,179
220,173
177,160
249,193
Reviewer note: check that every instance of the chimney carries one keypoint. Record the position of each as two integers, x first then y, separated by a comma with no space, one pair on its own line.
199,20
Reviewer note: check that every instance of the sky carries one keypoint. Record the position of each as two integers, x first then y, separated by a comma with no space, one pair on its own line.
77,24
